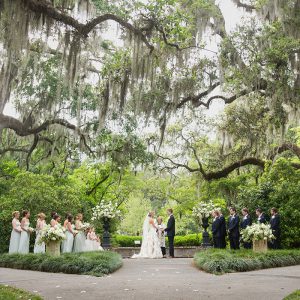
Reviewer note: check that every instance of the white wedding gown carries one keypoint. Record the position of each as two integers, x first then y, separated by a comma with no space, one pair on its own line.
150,247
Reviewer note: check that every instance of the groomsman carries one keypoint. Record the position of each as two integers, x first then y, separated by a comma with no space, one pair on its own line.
223,231
216,229
275,226
246,221
171,231
261,218
233,229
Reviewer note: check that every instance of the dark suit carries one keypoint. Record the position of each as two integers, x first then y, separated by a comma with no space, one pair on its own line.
223,232
171,233
244,224
216,231
234,231
262,219
275,226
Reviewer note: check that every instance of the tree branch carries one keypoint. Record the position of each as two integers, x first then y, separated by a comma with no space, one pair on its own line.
89,192
248,7
235,165
22,130
195,99
47,9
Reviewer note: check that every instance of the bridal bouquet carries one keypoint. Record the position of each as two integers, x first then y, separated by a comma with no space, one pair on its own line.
49,234
257,232
105,210
203,210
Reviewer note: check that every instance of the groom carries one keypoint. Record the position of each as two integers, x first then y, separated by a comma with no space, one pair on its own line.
170,230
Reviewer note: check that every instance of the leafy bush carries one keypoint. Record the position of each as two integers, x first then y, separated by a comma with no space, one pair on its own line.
187,240
38,193
225,261
293,296
90,263
7,292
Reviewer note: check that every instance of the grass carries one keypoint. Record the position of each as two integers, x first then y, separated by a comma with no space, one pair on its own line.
10,293
293,296
88,263
219,261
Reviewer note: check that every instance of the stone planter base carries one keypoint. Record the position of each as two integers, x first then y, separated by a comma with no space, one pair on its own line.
184,252
53,248
260,246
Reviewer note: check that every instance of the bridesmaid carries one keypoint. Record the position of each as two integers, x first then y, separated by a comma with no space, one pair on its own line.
67,244
15,233
55,220
39,248
52,222
25,234
79,241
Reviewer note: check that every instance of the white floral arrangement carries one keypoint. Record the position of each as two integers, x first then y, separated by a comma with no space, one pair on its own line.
52,234
203,210
257,232
31,230
105,210
85,226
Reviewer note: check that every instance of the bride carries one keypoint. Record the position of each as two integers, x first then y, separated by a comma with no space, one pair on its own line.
150,243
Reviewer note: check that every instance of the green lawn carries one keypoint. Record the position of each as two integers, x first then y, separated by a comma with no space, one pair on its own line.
219,261
10,293
293,296
91,263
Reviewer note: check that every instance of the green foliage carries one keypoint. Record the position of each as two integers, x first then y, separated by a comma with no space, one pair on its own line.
10,293
226,261
36,193
136,209
179,241
279,187
293,296
89,263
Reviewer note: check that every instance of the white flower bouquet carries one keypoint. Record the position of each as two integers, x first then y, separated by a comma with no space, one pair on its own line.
257,232
52,234
85,226
30,229
203,210
105,210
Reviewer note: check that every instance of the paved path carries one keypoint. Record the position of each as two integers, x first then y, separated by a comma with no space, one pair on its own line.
158,279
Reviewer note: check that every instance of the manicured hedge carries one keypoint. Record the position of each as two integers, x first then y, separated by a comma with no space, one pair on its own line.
90,263
293,296
225,261
187,240
10,293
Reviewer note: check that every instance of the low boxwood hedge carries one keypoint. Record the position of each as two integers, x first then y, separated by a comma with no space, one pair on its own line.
179,241
10,293
219,261
91,263
293,296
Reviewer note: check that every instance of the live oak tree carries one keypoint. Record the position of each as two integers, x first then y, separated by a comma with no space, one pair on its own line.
68,81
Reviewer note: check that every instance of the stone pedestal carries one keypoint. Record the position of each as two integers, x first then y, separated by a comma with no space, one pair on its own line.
260,246
53,248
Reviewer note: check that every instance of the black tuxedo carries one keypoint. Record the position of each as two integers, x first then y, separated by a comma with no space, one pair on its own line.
171,233
262,219
234,231
223,232
244,224
275,226
216,231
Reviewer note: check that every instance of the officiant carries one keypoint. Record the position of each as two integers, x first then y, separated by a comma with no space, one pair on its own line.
161,235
